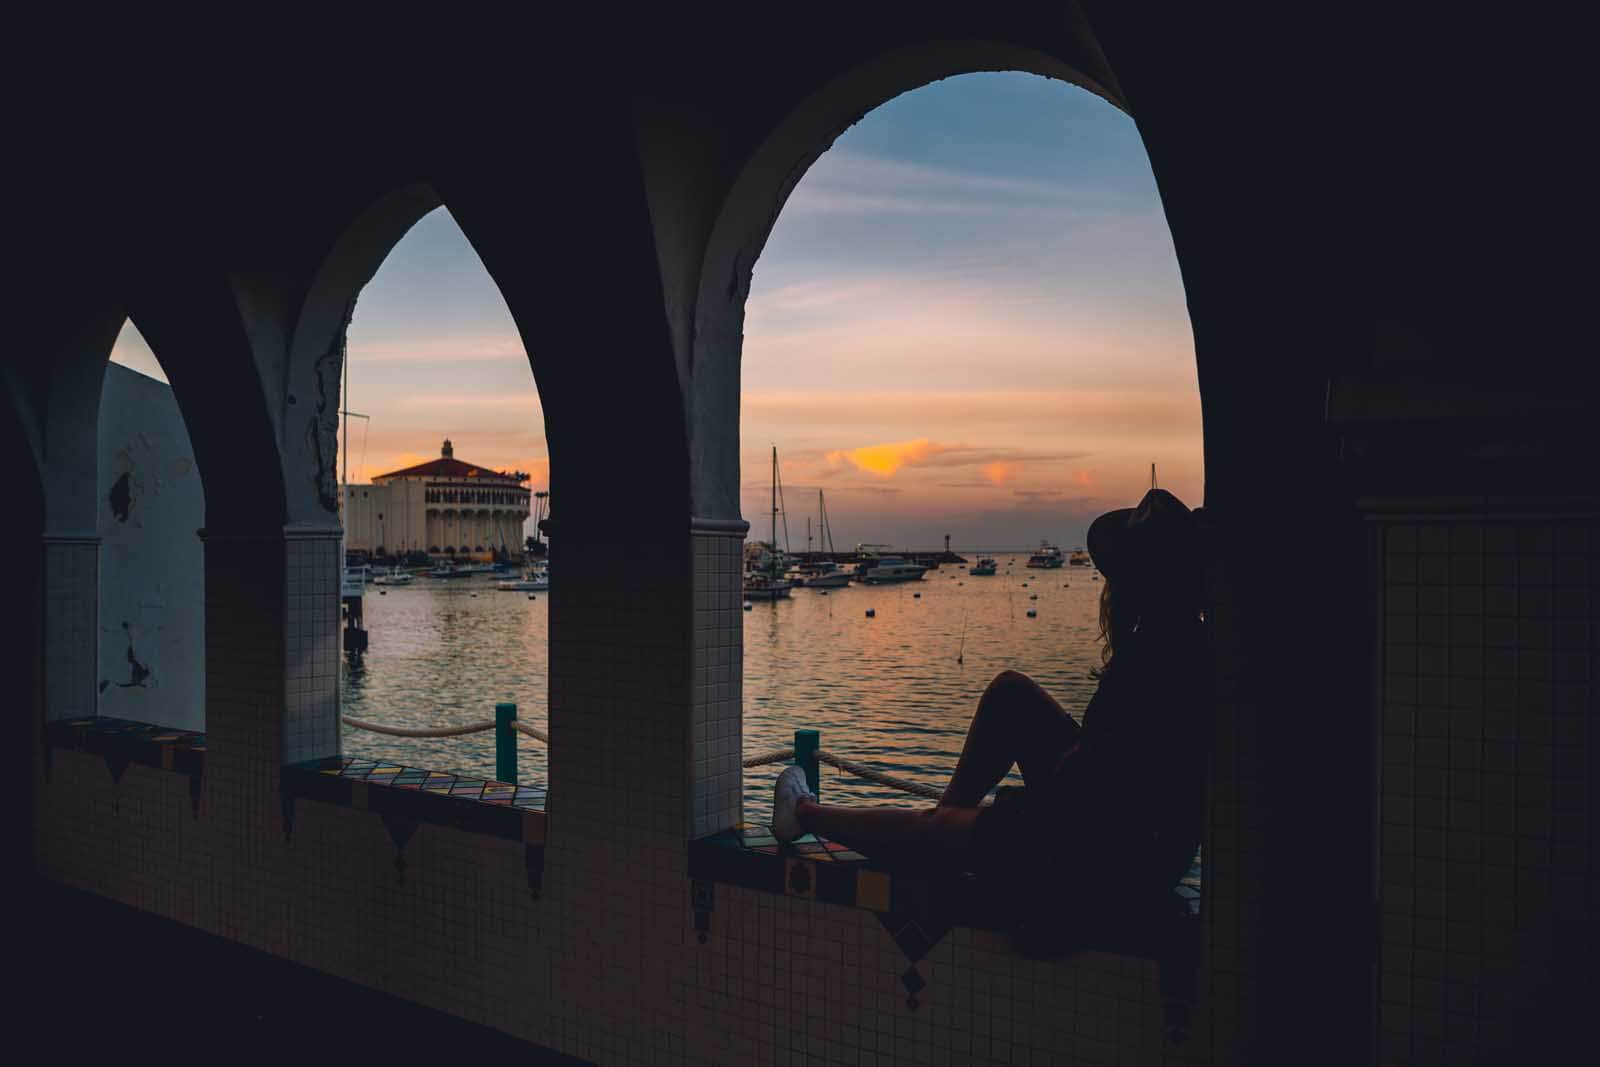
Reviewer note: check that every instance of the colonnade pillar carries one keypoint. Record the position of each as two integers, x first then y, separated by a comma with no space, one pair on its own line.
71,624
716,743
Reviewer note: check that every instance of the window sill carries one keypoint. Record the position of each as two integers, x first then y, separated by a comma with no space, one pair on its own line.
815,869
475,805
121,742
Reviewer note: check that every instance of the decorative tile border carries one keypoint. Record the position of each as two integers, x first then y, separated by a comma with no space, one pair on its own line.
123,741
476,805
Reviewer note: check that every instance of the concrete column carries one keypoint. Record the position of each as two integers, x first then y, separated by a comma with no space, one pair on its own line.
71,625
311,643
716,742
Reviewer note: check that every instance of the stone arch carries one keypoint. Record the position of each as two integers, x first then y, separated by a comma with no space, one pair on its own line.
316,345
709,363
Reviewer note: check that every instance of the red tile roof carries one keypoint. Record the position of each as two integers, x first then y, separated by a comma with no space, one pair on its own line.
449,467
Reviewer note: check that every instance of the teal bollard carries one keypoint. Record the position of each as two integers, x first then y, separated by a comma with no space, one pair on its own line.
806,743
505,743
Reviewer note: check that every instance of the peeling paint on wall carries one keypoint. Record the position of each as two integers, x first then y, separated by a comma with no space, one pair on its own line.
322,434
151,637
121,497
138,672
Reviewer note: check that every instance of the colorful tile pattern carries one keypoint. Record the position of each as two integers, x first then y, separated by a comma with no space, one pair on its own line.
124,741
477,805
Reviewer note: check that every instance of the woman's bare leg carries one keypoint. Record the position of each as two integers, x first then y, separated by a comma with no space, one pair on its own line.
1017,722
931,833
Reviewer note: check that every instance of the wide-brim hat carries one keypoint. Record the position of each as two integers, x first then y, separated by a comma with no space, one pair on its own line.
1148,547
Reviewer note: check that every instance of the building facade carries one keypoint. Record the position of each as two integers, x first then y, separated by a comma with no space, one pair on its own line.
444,507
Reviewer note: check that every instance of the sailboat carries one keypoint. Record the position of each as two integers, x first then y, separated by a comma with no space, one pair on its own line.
822,574
763,577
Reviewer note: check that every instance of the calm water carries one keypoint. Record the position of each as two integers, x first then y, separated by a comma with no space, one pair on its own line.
886,691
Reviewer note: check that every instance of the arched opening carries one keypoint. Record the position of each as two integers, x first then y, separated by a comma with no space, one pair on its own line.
443,464
967,321
149,509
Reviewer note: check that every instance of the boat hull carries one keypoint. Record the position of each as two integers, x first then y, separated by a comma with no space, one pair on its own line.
826,581
766,594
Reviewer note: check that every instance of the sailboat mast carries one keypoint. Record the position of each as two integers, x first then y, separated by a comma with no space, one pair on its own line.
772,519
345,480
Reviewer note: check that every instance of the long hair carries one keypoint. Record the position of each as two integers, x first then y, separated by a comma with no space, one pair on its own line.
1114,624
1122,612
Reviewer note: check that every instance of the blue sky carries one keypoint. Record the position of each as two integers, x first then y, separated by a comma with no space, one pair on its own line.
968,319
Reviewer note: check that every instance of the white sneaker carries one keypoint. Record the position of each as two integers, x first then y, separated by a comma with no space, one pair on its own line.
786,796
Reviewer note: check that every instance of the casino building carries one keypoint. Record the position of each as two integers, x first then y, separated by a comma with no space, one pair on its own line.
445,506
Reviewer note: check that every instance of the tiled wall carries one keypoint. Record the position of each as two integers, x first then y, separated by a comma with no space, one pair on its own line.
1486,753
603,960
311,643
71,625
717,742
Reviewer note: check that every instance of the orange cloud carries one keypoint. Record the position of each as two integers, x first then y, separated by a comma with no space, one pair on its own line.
884,460
1001,472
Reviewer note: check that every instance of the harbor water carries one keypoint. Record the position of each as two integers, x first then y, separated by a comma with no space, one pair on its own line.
895,690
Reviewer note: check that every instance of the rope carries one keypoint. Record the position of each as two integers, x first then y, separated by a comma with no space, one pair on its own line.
419,731
532,731
777,755
861,770
447,731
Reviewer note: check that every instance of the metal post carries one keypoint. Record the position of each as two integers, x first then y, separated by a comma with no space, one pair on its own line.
806,743
505,743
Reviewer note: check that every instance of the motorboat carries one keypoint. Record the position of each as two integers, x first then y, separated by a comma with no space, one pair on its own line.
1080,558
450,570
764,587
1048,556
984,568
826,575
893,569
394,577
535,580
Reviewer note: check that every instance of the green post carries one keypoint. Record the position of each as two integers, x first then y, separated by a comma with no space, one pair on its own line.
505,743
806,743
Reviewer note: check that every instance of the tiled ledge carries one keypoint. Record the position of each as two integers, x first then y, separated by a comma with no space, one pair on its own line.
123,741
406,797
476,805
918,907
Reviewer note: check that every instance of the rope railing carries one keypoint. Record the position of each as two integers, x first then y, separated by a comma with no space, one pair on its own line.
419,731
804,752
872,774
532,731
504,724
807,754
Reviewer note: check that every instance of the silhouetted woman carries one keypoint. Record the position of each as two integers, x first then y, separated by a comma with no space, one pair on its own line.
1111,809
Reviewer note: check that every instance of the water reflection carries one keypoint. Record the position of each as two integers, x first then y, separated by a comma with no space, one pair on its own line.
888,690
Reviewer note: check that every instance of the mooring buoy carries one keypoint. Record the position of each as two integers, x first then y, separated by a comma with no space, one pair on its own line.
747,605
1032,614
872,613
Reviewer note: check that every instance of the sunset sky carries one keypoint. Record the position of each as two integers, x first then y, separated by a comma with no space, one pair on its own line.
968,320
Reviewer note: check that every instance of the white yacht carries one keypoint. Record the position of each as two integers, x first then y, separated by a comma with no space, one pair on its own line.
534,580
396,576
893,569
1048,556
826,575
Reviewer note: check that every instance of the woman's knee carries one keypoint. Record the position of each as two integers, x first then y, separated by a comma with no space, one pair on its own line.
1009,683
